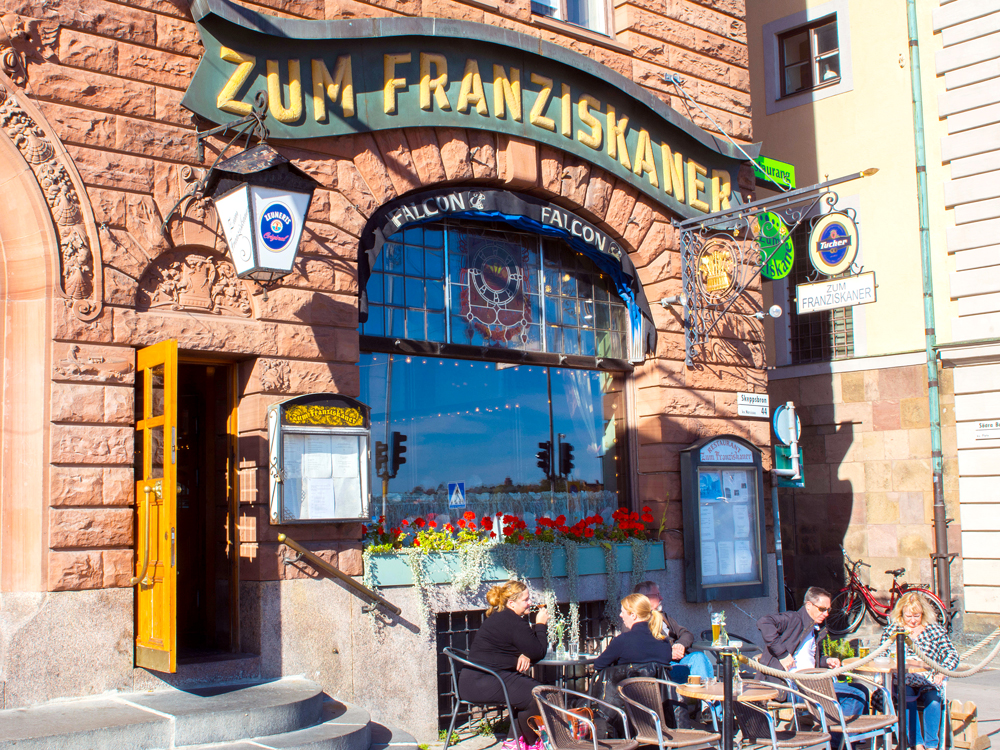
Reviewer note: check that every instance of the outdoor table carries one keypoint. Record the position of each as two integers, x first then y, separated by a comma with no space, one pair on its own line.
715,693
726,656
886,666
741,646
564,663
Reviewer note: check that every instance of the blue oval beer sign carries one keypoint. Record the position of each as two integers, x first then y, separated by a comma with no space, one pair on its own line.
276,227
833,243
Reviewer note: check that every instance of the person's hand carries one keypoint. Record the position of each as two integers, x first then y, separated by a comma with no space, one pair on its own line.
677,652
523,663
938,678
787,663
543,615
832,662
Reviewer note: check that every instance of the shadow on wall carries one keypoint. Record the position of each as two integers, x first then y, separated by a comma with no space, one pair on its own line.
815,519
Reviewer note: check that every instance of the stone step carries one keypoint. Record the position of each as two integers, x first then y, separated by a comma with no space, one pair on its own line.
168,718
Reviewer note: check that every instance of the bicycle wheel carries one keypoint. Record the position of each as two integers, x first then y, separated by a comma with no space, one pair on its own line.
846,612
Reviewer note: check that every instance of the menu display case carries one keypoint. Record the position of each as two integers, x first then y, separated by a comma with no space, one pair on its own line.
319,459
722,481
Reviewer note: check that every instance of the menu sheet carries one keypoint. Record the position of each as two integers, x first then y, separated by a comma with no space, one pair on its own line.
322,476
727,513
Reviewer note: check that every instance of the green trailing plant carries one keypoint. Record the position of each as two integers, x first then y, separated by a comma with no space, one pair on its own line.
640,554
838,648
573,588
611,605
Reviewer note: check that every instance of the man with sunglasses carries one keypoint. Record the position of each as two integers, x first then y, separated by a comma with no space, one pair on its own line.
792,641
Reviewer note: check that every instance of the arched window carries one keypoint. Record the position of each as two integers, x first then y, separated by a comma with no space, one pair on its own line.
470,331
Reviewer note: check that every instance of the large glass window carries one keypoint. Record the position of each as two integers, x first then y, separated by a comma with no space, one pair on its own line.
486,286
810,57
590,14
481,423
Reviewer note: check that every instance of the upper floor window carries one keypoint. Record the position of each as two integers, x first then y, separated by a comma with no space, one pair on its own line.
590,14
810,57
482,285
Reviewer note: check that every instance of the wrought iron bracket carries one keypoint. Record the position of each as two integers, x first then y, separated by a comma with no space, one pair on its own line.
733,233
251,126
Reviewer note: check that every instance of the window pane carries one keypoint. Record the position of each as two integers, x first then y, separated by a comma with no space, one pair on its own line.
587,345
375,326
587,13
374,288
797,78
395,322
571,341
796,48
548,8
435,296
553,339
415,293
569,312
602,316
435,328
435,263
826,38
394,290
414,261
829,68
433,237
415,327
392,257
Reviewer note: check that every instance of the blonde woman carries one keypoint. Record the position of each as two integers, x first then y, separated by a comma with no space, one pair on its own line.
507,643
643,639
913,615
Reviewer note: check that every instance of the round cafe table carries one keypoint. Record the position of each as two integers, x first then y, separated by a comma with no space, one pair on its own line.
552,660
714,693
886,665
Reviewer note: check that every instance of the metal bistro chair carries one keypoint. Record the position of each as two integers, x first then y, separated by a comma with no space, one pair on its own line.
644,706
819,686
562,726
759,728
457,656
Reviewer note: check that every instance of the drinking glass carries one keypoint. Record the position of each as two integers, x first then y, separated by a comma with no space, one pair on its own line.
574,650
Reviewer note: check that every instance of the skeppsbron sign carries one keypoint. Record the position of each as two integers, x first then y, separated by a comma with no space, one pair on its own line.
331,78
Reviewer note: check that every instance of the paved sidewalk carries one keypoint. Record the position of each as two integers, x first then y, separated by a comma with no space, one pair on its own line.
984,690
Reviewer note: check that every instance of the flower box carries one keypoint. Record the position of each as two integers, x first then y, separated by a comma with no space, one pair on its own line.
393,569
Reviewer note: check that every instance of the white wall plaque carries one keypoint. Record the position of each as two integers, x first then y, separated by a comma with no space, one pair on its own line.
829,295
753,405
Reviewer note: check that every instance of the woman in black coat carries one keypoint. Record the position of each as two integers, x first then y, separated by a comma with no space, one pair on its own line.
642,640
508,644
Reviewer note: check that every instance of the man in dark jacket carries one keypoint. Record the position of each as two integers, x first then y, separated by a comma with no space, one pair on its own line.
792,641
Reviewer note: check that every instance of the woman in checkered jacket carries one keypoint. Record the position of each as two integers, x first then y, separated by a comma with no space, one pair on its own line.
913,615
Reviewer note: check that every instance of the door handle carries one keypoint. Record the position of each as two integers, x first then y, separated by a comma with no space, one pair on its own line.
141,578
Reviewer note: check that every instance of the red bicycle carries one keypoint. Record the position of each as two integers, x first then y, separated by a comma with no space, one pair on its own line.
848,607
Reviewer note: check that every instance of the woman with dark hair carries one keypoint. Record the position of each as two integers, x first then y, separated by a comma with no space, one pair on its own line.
507,643
913,615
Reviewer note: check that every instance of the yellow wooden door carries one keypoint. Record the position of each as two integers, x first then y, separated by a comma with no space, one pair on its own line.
156,500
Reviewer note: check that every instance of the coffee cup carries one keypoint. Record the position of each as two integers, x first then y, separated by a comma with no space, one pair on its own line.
694,679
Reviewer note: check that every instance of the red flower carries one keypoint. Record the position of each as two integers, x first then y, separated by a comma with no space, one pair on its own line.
487,523
634,516
598,519
432,524
645,509
364,529
404,523
647,517
588,533
471,526
461,523
520,538
563,529
493,535
419,522
561,520
395,532
416,542
469,515
381,519
449,528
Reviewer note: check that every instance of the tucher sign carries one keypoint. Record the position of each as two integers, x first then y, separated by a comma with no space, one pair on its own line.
331,78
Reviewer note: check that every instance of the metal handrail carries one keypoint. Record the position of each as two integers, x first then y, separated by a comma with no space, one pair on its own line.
135,580
322,565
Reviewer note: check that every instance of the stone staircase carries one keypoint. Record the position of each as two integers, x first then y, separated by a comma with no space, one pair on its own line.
290,714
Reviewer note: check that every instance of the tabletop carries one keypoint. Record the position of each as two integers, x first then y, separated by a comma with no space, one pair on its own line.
714,693
885,666
742,646
551,660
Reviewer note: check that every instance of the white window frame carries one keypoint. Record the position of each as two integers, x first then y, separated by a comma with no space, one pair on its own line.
773,72
562,13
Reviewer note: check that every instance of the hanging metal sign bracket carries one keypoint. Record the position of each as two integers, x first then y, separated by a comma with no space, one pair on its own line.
722,256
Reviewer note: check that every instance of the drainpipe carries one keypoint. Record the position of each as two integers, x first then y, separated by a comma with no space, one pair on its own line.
940,557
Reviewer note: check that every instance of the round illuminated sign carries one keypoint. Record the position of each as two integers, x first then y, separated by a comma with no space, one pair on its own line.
276,227
833,244
776,250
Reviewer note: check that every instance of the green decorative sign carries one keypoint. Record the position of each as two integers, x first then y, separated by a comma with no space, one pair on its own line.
776,249
771,173
334,78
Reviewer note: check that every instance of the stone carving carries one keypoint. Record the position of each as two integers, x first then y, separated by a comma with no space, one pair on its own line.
76,365
78,244
275,376
22,39
193,282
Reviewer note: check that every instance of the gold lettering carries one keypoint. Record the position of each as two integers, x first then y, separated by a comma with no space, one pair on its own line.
722,189
673,172
567,112
226,99
695,185
472,91
437,85
341,84
392,83
507,92
293,111
617,149
643,161
535,117
583,107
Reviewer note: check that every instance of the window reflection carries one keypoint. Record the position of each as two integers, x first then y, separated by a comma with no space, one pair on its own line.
480,423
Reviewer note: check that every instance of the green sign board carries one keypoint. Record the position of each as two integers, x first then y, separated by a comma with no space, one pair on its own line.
776,249
335,78
770,173
783,460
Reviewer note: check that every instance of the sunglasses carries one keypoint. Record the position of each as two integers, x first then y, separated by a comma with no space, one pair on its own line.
821,609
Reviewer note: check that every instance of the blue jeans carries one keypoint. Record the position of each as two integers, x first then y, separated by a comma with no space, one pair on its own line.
928,699
853,699
692,663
